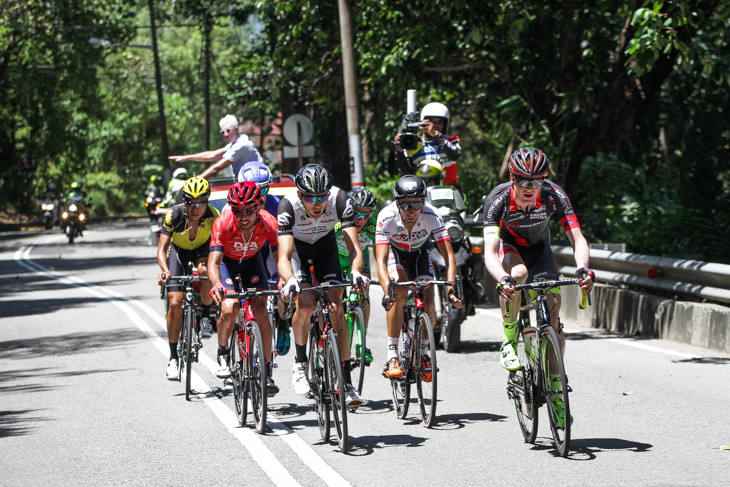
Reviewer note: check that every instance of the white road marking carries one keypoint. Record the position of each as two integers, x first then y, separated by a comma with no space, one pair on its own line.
250,440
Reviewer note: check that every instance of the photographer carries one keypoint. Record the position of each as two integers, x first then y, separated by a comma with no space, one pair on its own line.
412,151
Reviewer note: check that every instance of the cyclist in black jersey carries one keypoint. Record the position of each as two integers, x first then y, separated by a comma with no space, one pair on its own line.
188,228
517,240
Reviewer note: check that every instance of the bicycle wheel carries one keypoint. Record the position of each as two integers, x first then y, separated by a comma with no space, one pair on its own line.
401,387
522,390
315,374
256,379
273,321
235,362
189,323
335,383
356,322
181,349
552,361
426,377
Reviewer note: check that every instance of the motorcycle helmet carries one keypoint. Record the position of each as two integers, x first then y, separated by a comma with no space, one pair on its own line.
196,187
154,179
256,172
51,187
75,185
244,193
80,182
409,186
180,173
361,197
313,179
436,110
529,162
431,172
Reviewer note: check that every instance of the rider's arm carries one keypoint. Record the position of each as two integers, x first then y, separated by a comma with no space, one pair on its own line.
491,253
216,168
581,253
286,249
353,247
381,261
450,145
162,247
214,262
206,156
447,252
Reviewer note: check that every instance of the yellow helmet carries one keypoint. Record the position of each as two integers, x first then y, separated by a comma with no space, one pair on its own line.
430,171
196,187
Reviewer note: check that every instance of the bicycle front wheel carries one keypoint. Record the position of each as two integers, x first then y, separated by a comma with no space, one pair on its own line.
335,383
401,387
188,348
236,364
522,389
256,379
356,322
315,374
426,369
555,385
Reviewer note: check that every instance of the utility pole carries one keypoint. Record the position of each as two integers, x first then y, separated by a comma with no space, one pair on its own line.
357,172
160,103
207,81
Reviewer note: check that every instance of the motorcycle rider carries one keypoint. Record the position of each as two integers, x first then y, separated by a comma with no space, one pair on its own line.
174,186
434,144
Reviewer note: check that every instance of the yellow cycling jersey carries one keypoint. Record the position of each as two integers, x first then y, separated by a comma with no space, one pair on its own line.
177,226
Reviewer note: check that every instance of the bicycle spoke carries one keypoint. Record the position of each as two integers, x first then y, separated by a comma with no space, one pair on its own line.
336,389
426,369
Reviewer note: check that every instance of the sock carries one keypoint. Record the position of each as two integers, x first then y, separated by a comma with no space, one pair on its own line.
393,347
347,371
206,311
509,333
173,350
301,356
223,350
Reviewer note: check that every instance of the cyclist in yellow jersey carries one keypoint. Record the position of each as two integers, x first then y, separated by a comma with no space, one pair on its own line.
188,228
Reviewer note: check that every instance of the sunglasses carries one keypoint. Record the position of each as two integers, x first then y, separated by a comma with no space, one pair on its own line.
202,204
361,216
243,212
264,190
226,132
315,199
530,183
411,206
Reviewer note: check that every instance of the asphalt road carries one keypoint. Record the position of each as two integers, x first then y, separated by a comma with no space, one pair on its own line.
84,401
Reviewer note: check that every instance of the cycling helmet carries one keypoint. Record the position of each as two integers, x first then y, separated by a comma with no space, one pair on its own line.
528,162
409,186
180,173
196,187
361,197
244,193
436,110
430,171
257,172
75,185
313,179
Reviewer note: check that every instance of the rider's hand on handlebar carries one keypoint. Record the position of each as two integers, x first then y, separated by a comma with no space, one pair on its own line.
455,302
162,278
386,302
217,293
586,278
506,287
291,285
354,276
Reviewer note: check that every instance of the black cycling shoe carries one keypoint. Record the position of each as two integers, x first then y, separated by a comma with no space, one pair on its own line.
271,388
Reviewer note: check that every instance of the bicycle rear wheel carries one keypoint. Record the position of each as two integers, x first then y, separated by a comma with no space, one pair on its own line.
426,377
315,373
522,388
236,364
335,382
552,359
356,322
257,376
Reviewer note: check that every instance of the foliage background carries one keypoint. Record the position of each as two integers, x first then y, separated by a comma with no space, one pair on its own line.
628,99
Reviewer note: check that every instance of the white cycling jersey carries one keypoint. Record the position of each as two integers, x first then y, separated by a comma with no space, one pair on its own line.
293,218
390,228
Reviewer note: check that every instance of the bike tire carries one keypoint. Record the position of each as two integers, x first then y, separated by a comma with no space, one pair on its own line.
550,349
426,390
257,377
335,383
181,349
524,389
401,387
315,375
356,322
274,322
236,363
189,323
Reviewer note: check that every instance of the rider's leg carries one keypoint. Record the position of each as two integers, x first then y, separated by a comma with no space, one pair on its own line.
554,310
262,318
174,313
204,285
337,313
300,322
229,310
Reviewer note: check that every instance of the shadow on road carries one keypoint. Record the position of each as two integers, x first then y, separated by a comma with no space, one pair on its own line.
593,446
71,344
459,421
475,347
19,423
30,307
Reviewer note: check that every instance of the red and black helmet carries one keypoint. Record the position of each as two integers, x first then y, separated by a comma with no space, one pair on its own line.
244,193
529,162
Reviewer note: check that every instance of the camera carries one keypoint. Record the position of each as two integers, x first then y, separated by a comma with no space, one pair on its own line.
409,131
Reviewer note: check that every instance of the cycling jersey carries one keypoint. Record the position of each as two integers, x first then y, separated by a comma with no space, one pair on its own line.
177,226
227,237
293,218
365,238
391,230
444,149
527,229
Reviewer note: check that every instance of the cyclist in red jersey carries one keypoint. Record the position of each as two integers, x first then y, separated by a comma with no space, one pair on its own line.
238,236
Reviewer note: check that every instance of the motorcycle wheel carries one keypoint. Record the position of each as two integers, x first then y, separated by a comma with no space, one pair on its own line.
71,233
451,329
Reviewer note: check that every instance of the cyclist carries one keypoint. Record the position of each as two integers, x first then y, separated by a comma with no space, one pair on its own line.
402,231
435,144
363,204
306,235
261,175
238,236
517,242
187,227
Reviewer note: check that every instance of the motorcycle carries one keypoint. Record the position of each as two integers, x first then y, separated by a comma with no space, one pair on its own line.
73,218
48,213
468,252
152,202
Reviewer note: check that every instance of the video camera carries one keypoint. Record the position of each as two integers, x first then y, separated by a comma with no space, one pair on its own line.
409,131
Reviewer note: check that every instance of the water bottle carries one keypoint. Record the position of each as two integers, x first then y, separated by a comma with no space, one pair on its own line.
409,340
531,342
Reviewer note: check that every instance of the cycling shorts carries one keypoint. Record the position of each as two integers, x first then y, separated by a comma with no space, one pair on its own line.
322,256
416,264
252,271
539,260
177,262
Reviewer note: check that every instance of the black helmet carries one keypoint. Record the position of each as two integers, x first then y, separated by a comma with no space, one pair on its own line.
409,186
529,162
313,179
362,197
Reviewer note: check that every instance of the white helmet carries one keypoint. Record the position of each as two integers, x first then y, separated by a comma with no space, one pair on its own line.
180,173
436,110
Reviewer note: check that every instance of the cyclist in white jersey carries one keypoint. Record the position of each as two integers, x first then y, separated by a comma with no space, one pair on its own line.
401,252
307,239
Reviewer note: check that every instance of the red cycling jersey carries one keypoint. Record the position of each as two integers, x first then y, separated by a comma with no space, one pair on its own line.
227,238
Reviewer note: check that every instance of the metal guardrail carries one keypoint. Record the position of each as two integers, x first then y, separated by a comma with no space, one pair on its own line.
706,280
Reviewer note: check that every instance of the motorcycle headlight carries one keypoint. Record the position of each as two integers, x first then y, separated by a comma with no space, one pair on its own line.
50,206
82,217
65,215
43,206
72,208
455,231
149,199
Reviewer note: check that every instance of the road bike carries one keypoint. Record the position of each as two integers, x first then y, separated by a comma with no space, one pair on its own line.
354,304
418,351
247,360
541,378
189,343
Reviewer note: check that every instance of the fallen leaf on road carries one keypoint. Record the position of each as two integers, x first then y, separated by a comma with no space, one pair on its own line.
630,393
725,447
